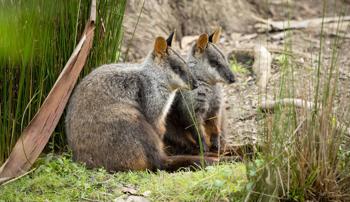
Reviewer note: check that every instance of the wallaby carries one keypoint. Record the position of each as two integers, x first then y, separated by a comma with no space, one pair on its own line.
116,115
197,117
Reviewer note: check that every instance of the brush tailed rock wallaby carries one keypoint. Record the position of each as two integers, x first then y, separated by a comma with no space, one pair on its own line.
197,117
116,115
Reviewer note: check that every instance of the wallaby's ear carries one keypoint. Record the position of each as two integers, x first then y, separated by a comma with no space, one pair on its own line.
202,42
215,36
160,46
171,38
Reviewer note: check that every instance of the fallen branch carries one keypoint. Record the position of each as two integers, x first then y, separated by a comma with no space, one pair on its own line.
248,51
268,106
294,24
36,135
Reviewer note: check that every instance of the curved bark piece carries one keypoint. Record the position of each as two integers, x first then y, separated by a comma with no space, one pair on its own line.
36,135
262,66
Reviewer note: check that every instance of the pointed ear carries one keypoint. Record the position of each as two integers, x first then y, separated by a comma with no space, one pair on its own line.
215,36
171,39
202,42
160,46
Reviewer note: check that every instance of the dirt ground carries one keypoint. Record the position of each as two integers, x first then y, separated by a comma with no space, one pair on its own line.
239,21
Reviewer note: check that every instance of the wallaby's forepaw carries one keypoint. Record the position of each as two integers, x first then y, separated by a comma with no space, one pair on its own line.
201,101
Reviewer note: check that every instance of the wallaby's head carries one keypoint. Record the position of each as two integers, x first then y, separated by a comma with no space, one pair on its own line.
172,63
209,61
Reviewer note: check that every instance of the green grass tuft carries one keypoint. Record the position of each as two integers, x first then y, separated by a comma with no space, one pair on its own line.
57,178
238,68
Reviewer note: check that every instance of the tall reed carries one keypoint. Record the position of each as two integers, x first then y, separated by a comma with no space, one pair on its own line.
36,39
302,155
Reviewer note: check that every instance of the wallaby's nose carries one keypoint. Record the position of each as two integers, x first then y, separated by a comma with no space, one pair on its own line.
232,79
229,76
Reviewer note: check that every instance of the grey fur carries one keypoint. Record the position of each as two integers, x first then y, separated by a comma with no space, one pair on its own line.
196,107
115,117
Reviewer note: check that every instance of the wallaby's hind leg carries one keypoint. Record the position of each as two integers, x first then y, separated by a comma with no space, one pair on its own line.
173,163
200,136
213,132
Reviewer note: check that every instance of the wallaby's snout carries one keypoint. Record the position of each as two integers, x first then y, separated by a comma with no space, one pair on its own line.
228,75
218,59
232,79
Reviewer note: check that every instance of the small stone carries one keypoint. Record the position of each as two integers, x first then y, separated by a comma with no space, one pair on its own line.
147,193
136,199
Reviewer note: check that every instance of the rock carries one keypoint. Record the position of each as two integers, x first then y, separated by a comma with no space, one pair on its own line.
136,199
129,190
125,198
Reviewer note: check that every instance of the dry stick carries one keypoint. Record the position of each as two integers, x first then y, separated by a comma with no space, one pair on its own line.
16,178
133,33
295,24
249,51
36,135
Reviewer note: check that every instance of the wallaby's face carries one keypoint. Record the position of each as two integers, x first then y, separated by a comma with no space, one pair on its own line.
174,65
212,58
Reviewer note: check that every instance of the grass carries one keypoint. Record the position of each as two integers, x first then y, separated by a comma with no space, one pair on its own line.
37,38
302,153
57,178
238,68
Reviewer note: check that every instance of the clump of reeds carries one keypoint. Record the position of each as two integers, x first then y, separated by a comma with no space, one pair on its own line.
37,38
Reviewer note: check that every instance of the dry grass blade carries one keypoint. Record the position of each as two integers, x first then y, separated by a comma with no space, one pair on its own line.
36,135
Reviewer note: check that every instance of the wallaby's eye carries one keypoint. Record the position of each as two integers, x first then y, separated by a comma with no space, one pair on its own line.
215,63
176,69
